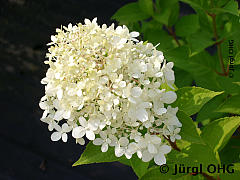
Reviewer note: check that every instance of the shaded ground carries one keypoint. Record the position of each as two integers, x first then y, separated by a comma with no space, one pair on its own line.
27,152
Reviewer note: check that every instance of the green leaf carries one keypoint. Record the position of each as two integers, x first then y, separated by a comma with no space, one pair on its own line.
207,112
220,3
231,152
164,11
179,56
193,3
163,17
234,175
231,7
199,40
227,84
192,156
191,99
217,133
201,153
138,166
183,78
130,13
146,6
202,67
187,25
155,174
189,130
237,83
93,154
174,14
125,161
160,36
231,105
237,58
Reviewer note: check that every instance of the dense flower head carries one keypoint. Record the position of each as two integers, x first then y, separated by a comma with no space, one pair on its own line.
105,85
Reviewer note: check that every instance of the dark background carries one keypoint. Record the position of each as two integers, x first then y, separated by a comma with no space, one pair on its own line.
26,150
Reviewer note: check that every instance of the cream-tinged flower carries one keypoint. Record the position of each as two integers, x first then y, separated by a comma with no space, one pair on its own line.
61,133
86,127
158,156
105,85
105,140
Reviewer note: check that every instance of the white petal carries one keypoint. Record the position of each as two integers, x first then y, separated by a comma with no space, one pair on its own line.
57,127
159,74
53,38
103,134
116,102
87,21
172,138
103,80
59,94
159,159
79,92
122,84
66,114
65,127
134,34
142,115
90,135
152,149
102,125
80,107
78,132
50,127
92,125
43,105
132,148
58,115
170,65
177,130
64,137
177,136
139,154
104,147
56,136
123,141
45,113
98,141
155,139
136,91
128,155
94,20
161,111
81,141
69,26
119,151
82,121
164,149
146,156
146,105
169,97
169,75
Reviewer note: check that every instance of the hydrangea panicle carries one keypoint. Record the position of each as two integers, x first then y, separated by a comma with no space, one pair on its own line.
105,85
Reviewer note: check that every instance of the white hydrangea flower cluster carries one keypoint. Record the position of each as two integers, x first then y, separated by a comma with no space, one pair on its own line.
105,85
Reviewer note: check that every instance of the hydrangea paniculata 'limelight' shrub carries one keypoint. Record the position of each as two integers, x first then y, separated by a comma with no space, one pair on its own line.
105,85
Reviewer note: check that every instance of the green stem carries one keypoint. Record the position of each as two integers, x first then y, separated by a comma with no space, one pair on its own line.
173,34
173,144
219,49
